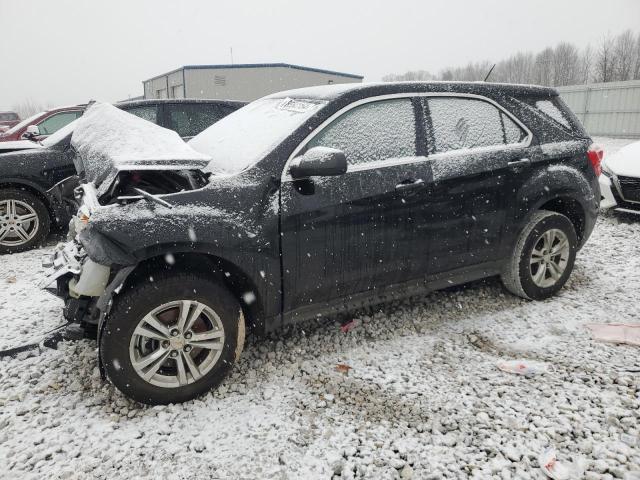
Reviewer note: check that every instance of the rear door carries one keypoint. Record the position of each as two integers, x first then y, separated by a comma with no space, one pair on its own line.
473,146
354,233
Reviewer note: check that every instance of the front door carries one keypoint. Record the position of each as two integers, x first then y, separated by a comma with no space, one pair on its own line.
354,233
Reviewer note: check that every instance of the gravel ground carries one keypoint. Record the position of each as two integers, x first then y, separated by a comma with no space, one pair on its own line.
412,392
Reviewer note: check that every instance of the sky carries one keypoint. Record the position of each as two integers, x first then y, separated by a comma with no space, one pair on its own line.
60,52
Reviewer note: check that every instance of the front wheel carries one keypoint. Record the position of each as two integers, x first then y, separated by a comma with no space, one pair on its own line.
172,340
543,257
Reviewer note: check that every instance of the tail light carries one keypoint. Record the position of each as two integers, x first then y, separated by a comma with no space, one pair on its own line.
595,154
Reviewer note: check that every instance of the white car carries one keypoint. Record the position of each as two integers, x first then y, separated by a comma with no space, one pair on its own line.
620,182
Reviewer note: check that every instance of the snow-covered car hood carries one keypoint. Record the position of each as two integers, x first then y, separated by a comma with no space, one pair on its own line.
108,140
626,161
18,145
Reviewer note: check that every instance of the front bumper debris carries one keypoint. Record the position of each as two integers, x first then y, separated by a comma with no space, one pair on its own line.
88,278
66,259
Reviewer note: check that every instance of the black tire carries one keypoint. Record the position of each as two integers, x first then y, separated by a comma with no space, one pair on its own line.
517,276
135,302
43,224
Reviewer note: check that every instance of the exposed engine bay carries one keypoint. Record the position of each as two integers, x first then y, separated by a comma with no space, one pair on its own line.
127,184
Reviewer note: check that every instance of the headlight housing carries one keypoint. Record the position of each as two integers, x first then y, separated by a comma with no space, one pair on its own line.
606,170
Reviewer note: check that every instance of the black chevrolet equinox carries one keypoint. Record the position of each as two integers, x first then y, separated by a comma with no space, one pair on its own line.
315,201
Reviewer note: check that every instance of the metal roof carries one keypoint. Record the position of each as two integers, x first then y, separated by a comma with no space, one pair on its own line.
257,65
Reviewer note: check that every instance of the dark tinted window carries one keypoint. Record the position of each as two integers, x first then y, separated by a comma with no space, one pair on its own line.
8,116
146,112
56,121
190,120
461,123
372,132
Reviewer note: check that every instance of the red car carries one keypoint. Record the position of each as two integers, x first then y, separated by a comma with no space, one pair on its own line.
42,124
8,120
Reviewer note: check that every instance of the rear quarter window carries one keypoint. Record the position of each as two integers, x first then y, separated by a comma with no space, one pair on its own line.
552,111
557,115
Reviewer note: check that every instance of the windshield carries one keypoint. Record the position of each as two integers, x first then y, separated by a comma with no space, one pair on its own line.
25,123
244,137
59,135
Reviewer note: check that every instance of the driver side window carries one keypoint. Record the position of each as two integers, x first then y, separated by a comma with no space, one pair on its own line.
372,132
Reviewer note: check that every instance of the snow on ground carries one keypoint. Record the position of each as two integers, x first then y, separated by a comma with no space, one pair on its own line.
422,399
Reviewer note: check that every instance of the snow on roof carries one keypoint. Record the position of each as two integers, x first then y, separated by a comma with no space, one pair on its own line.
107,138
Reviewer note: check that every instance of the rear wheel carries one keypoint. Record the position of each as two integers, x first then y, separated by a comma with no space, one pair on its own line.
24,221
172,340
543,257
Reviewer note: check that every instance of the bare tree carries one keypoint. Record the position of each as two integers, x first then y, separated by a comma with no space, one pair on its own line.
624,52
543,67
636,68
29,107
614,58
565,64
585,65
604,66
417,75
517,68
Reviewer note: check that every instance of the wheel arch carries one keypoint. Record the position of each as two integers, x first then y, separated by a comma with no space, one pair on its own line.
570,208
235,278
561,189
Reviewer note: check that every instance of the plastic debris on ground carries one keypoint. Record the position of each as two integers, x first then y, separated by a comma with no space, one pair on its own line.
348,326
552,468
522,367
616,332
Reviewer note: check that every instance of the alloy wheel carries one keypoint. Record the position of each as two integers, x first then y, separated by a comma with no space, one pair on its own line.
18,222
177,343
549,258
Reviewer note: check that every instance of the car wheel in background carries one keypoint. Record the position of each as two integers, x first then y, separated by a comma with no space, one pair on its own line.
543,257
24,221
173,339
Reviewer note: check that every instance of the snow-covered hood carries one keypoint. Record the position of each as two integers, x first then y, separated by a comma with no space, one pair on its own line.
108,140
18,145
626,161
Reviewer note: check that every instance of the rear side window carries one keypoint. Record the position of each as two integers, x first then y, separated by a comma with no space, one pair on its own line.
372,132
146,112
190,120
463,123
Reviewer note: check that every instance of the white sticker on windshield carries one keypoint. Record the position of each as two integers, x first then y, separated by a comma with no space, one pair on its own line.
297,106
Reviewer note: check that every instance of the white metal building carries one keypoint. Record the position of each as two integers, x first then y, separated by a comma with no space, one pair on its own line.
244,82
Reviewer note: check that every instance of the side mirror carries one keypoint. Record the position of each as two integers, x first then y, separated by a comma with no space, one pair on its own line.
32,131
319,162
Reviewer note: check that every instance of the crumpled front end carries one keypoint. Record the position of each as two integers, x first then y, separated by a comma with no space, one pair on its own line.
76,275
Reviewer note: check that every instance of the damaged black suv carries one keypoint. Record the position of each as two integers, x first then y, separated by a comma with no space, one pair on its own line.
311,202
